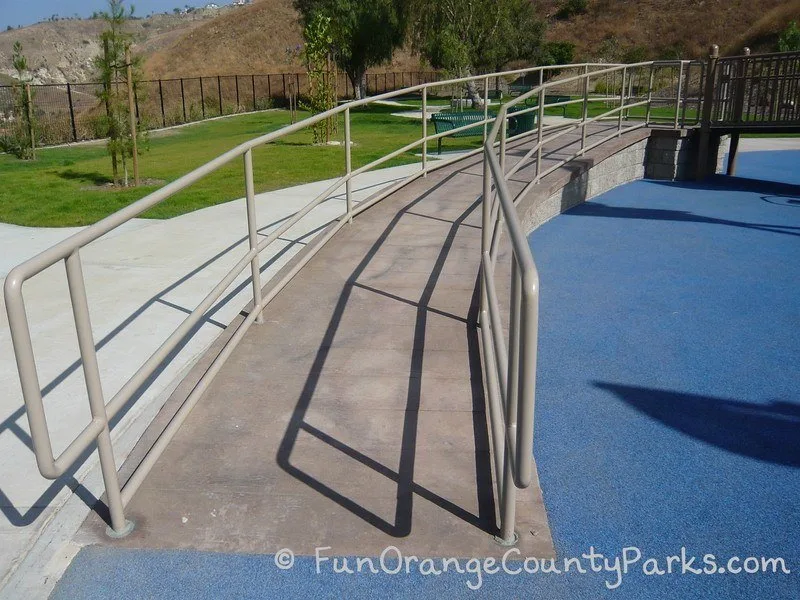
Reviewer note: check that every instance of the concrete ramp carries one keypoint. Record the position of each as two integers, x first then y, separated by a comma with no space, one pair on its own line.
354,417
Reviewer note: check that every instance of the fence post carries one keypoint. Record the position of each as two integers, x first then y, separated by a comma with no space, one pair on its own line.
219,93
72,114
133,116
29,110
708,107
136,102
202,99
161,96
253,78
238,106
183,101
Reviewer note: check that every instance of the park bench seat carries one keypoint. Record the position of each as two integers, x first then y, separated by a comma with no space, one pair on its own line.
448,121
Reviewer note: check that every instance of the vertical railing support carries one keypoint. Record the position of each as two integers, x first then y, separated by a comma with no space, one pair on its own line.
485,107
503,135
425,131
348,164
585,111
91,372
540,128
252,232
650,95
678,96
622,100
708,107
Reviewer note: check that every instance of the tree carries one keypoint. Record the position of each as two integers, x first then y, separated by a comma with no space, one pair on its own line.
465,37
316,55
20,140
112,70
789,40
364,33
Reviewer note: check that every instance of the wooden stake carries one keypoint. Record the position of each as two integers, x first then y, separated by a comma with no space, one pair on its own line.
132,110
30,120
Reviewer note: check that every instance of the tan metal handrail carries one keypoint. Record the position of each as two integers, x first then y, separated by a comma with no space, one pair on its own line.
510,366
69,249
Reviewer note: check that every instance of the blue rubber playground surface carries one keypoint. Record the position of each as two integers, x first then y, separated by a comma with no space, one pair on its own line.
668,414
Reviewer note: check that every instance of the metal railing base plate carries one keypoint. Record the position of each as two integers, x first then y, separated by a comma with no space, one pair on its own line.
126,531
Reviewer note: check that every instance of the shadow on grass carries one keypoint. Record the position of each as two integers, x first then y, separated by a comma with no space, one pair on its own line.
92,178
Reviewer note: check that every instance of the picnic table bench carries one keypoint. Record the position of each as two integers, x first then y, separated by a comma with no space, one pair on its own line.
518,90
448,121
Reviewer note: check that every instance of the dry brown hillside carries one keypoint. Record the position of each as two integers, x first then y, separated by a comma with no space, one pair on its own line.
257,38
666,29
60,51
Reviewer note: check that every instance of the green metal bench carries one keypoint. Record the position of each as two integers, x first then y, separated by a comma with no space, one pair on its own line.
549,99
447,121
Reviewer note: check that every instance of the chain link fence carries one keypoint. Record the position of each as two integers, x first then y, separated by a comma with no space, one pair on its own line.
72,112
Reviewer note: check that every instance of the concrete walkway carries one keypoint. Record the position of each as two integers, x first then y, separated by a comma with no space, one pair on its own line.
354,417
142,280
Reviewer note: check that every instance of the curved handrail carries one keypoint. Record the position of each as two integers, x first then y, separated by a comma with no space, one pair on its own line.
68,250
510,367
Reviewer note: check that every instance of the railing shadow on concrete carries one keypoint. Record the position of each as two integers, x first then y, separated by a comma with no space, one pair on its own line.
104,412
9,424
403,478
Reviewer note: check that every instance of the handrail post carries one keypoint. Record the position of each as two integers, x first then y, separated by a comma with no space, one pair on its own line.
485,107
678,96
708,108
622,100
252,231
503,136
91,372
540,128
585,106
425,131
508,500
650,94
348,163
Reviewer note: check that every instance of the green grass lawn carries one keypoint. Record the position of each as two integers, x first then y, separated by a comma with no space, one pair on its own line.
64,186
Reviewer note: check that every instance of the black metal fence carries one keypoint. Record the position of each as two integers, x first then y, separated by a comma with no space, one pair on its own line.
71,112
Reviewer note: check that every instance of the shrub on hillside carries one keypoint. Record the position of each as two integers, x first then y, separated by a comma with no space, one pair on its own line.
570,8
789,40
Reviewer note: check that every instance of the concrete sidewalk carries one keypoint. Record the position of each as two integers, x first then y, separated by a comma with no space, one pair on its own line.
142,281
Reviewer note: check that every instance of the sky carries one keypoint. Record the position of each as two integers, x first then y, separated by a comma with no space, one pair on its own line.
27,12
